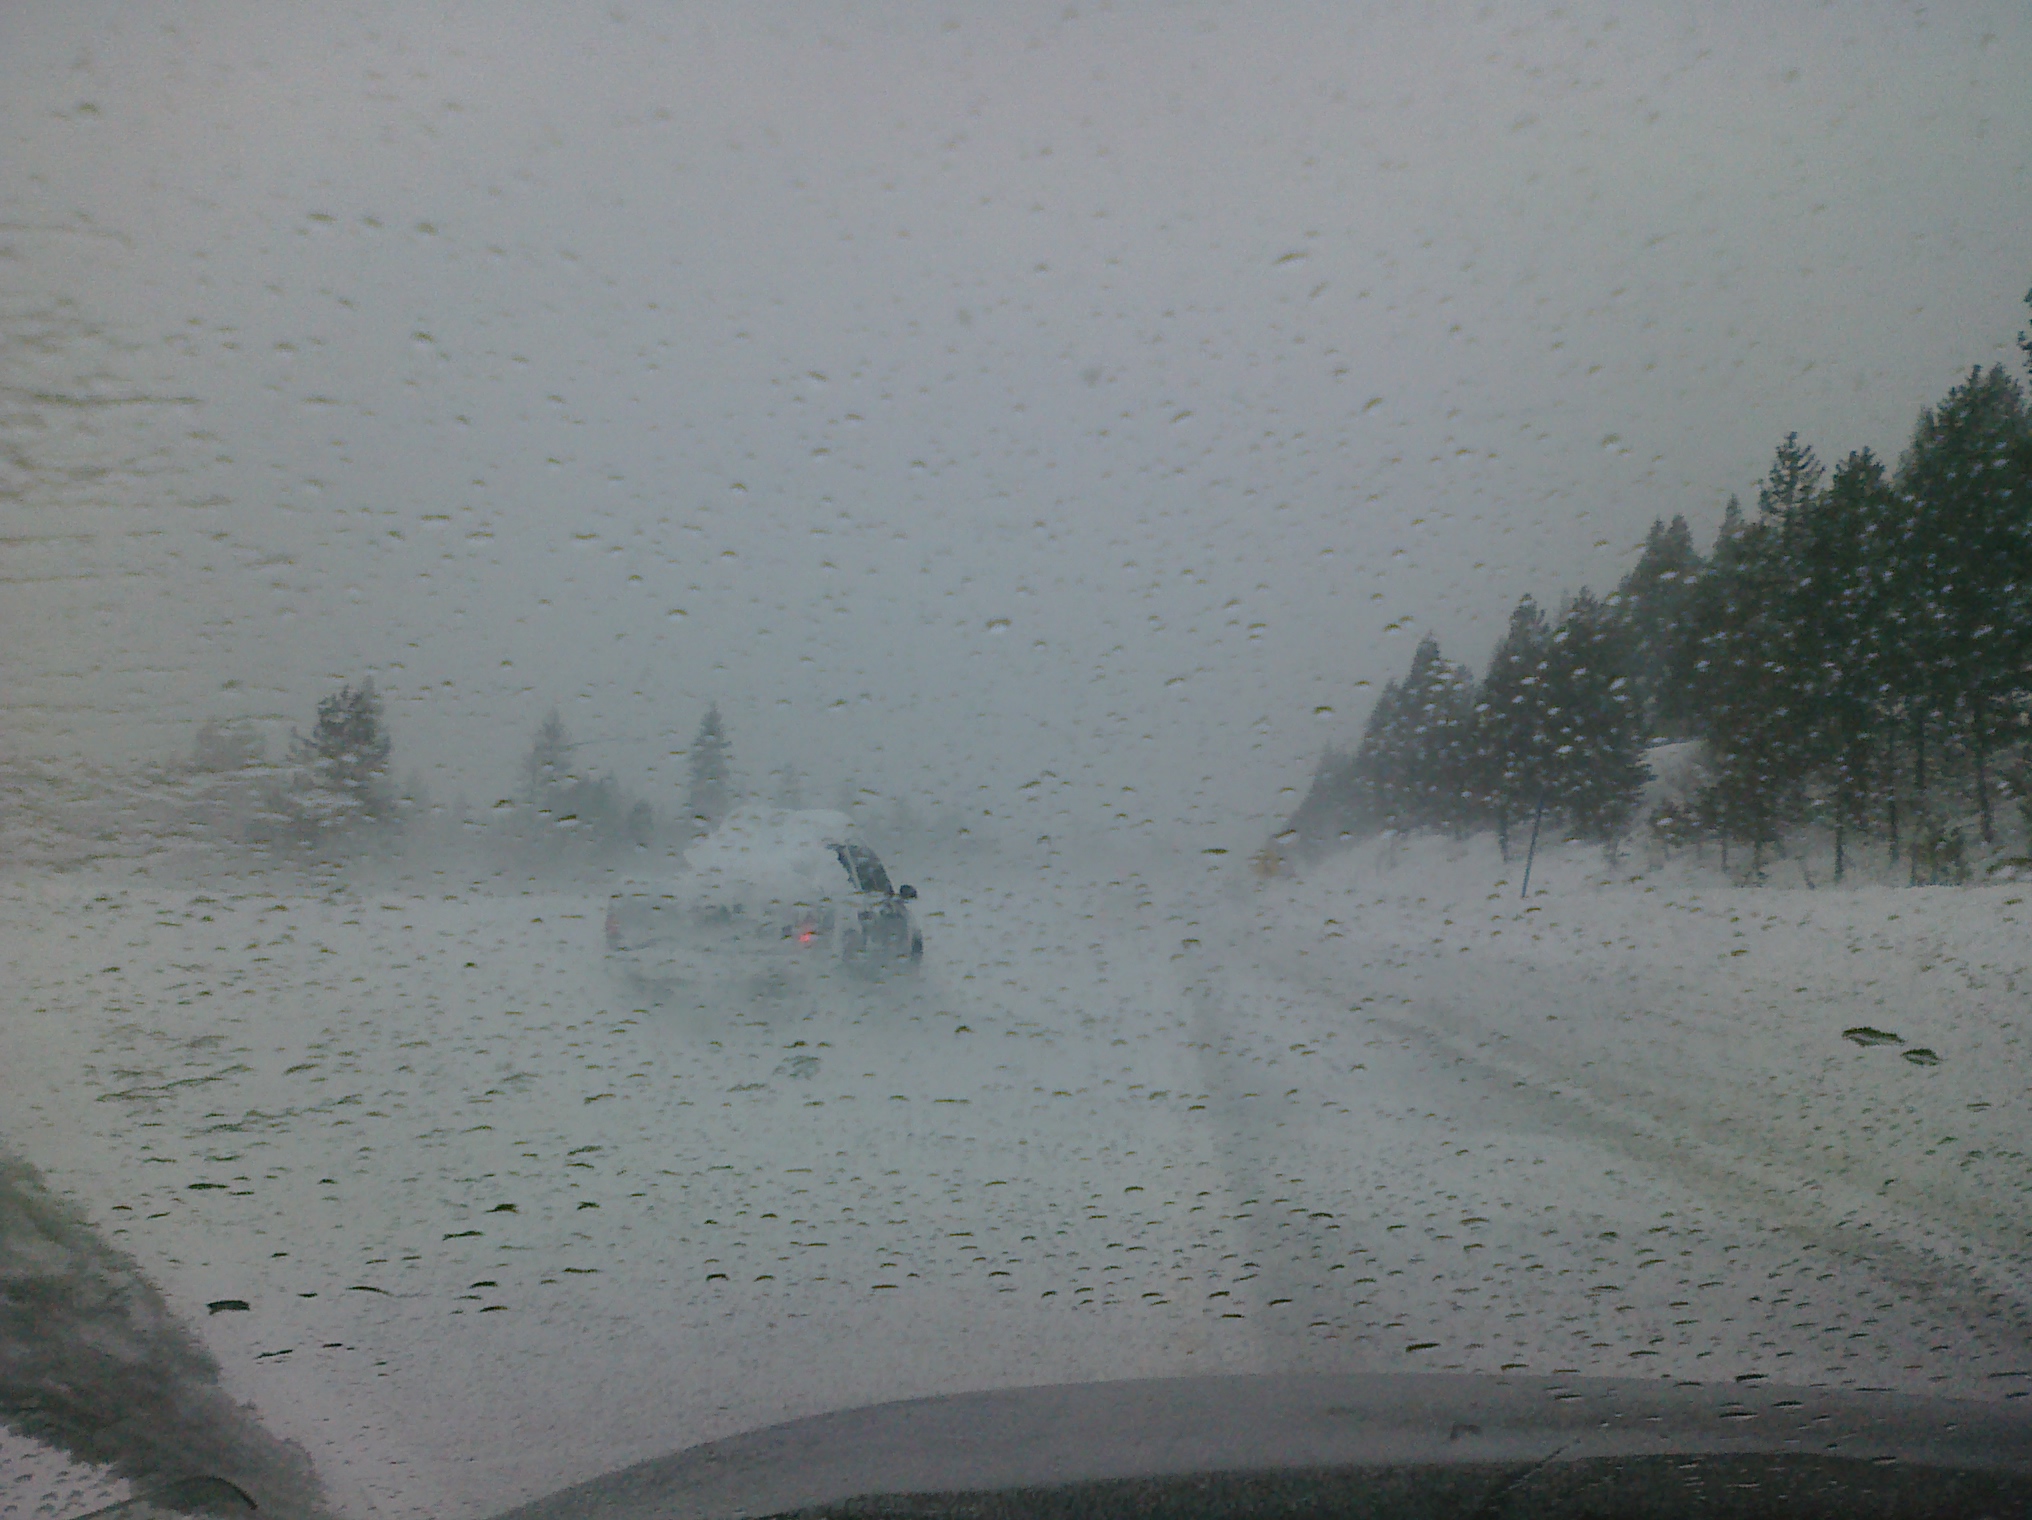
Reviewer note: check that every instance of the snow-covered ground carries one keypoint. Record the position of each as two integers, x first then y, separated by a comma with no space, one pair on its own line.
502,1223
1864,1051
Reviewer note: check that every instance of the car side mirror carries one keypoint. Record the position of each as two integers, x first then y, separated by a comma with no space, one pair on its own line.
907,893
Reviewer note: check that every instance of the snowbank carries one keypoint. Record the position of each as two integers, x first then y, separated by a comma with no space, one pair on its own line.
1861,1052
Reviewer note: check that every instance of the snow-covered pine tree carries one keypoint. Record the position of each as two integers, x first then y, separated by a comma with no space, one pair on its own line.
1376,770
548,765
1329,815
711,767
1433,782
1655,601
1964,568
1507,747
341,765
1595,767
1751,689
1830,546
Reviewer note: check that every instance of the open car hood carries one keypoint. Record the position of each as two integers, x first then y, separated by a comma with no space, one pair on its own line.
1381,1445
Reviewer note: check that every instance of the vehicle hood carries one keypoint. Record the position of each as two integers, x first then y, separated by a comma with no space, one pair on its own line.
1410,1444
769,854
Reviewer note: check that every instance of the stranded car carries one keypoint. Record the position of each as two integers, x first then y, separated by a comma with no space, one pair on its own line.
775,899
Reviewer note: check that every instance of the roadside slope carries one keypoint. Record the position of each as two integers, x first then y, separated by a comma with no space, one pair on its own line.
1717,1016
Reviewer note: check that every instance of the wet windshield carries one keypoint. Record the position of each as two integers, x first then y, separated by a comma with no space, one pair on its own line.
1433,606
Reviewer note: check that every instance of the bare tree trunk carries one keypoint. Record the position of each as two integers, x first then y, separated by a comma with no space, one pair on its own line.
1919,764
1891,789
1845,798
1982,768
1532,854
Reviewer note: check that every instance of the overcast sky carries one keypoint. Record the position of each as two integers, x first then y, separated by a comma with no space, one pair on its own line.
956,393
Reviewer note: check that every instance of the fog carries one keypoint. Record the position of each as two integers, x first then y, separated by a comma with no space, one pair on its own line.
962,397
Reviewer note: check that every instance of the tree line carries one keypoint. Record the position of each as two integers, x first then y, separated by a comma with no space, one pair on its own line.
332,792
1855,655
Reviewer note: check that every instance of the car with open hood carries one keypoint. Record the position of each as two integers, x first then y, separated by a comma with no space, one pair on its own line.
773,900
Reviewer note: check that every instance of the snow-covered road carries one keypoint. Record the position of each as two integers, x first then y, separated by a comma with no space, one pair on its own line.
501,1223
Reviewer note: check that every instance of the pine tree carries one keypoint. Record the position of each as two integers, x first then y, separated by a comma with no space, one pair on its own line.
711,768
1750,679
1376,769
2025,341
1410,769
1329,815
1965,575
573,809
1831,555
1593,720
1508,745
547,768
342,763
1792,483
1433,785
1656,602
